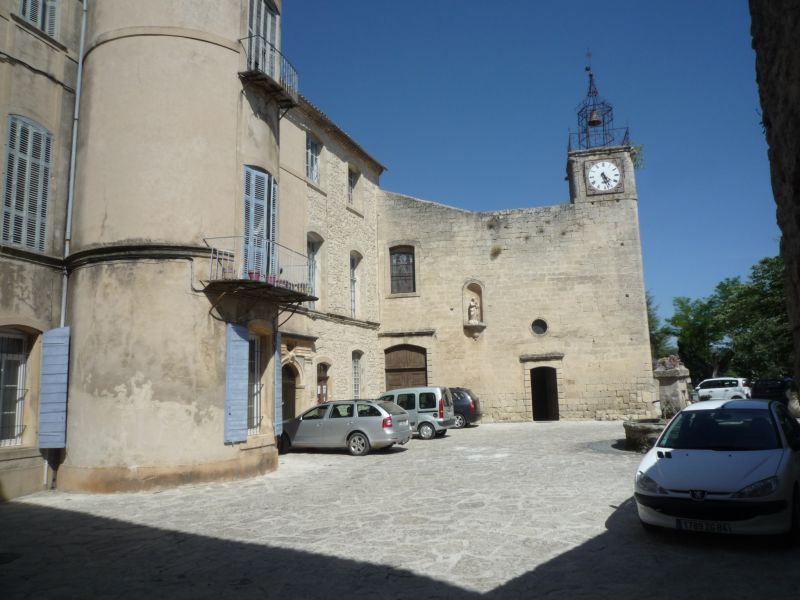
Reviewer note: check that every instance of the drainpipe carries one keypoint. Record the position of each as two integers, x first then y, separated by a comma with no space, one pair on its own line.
73,150
70,193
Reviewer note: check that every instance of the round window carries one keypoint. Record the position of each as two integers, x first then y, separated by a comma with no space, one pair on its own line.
539,327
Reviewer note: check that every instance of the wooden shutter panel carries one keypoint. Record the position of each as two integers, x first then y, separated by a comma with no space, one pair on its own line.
277,421
53,389
236,383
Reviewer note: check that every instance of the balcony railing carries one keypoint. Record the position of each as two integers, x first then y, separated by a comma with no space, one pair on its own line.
264,59
258,259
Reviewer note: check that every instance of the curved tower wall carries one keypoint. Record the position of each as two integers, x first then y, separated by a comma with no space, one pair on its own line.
166,129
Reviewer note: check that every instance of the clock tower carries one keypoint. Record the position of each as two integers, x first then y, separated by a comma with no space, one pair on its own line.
599,162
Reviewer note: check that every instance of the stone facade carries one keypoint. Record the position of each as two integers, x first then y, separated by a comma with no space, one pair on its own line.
776,41
576,266
229,258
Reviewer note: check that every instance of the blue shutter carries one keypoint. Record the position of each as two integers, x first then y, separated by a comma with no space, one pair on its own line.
277,421
53,389
273,228
236,383
256,190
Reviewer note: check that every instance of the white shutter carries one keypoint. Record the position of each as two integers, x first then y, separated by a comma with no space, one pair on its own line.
273,228
27,184
50,18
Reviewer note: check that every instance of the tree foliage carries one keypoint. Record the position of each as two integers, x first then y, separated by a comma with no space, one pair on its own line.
660,337
741,329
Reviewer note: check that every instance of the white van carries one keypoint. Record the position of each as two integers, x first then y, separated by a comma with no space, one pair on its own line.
430,409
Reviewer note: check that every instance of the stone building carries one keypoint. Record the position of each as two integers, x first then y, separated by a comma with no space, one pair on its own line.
191,251
776,41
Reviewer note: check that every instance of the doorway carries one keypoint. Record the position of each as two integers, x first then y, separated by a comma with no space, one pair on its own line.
288,391
544,391
406,366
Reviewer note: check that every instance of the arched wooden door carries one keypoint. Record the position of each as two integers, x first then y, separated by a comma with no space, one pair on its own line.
406,366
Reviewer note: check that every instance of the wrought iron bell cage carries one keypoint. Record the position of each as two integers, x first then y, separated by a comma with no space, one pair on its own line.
596,122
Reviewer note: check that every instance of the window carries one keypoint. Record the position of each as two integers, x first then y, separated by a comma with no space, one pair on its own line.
352,180
406,401
13,359
322,382
313,149
318,412
367,410
262,33
356,375
355,260
342,411
313,245
402,275
260,223
41,14
427,400
27,184
254,380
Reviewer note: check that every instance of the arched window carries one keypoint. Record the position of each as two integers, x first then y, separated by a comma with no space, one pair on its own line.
322,382
27,184
402,265
355,261
357,374
313,246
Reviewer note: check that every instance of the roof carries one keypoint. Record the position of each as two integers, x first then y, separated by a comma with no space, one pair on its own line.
333,129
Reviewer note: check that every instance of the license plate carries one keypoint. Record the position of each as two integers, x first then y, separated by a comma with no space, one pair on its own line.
706,526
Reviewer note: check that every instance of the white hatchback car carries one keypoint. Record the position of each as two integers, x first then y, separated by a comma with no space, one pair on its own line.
729,466
723,388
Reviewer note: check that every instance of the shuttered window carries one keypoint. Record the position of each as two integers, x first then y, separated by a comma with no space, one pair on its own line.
40,13
313,150
26,186
237,379
357,374
260,223
53,389
262,32
277,422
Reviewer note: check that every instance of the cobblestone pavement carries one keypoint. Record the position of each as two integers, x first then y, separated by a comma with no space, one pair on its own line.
527,510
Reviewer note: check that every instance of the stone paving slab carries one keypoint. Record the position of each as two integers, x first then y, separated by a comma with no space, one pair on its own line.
524,510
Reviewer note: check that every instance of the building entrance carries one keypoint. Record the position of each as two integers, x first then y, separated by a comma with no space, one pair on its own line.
289,385
406,366
544,390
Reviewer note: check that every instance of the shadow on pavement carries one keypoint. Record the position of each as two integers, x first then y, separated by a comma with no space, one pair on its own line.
629,562
50,553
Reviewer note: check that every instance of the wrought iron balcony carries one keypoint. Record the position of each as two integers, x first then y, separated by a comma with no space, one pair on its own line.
259,265
270,69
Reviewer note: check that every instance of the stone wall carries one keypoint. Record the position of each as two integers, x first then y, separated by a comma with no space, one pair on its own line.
575,266
776,41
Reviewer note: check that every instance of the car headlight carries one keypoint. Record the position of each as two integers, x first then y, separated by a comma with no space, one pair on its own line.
648,485
765,487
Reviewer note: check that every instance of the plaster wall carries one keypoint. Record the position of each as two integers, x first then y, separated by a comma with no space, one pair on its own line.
147,379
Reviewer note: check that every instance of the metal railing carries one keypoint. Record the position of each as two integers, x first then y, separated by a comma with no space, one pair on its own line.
256,258
265,58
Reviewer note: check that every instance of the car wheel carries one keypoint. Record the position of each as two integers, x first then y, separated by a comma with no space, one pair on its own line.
358,444
284,443
426,431
461,422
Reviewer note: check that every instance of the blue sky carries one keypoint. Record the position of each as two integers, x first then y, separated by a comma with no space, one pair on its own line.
469,103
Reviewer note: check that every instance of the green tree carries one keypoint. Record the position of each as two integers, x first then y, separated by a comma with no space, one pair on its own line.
660,337
741,329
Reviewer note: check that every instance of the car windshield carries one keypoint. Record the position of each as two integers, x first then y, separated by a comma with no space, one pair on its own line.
390,407
721,429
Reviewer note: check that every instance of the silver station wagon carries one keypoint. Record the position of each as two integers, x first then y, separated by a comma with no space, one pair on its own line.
357,425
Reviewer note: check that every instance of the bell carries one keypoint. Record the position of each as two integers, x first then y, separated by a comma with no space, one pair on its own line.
594,118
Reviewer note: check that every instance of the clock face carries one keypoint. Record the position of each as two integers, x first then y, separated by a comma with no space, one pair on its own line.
603,176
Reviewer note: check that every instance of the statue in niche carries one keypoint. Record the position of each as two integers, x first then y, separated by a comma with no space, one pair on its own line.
473,311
